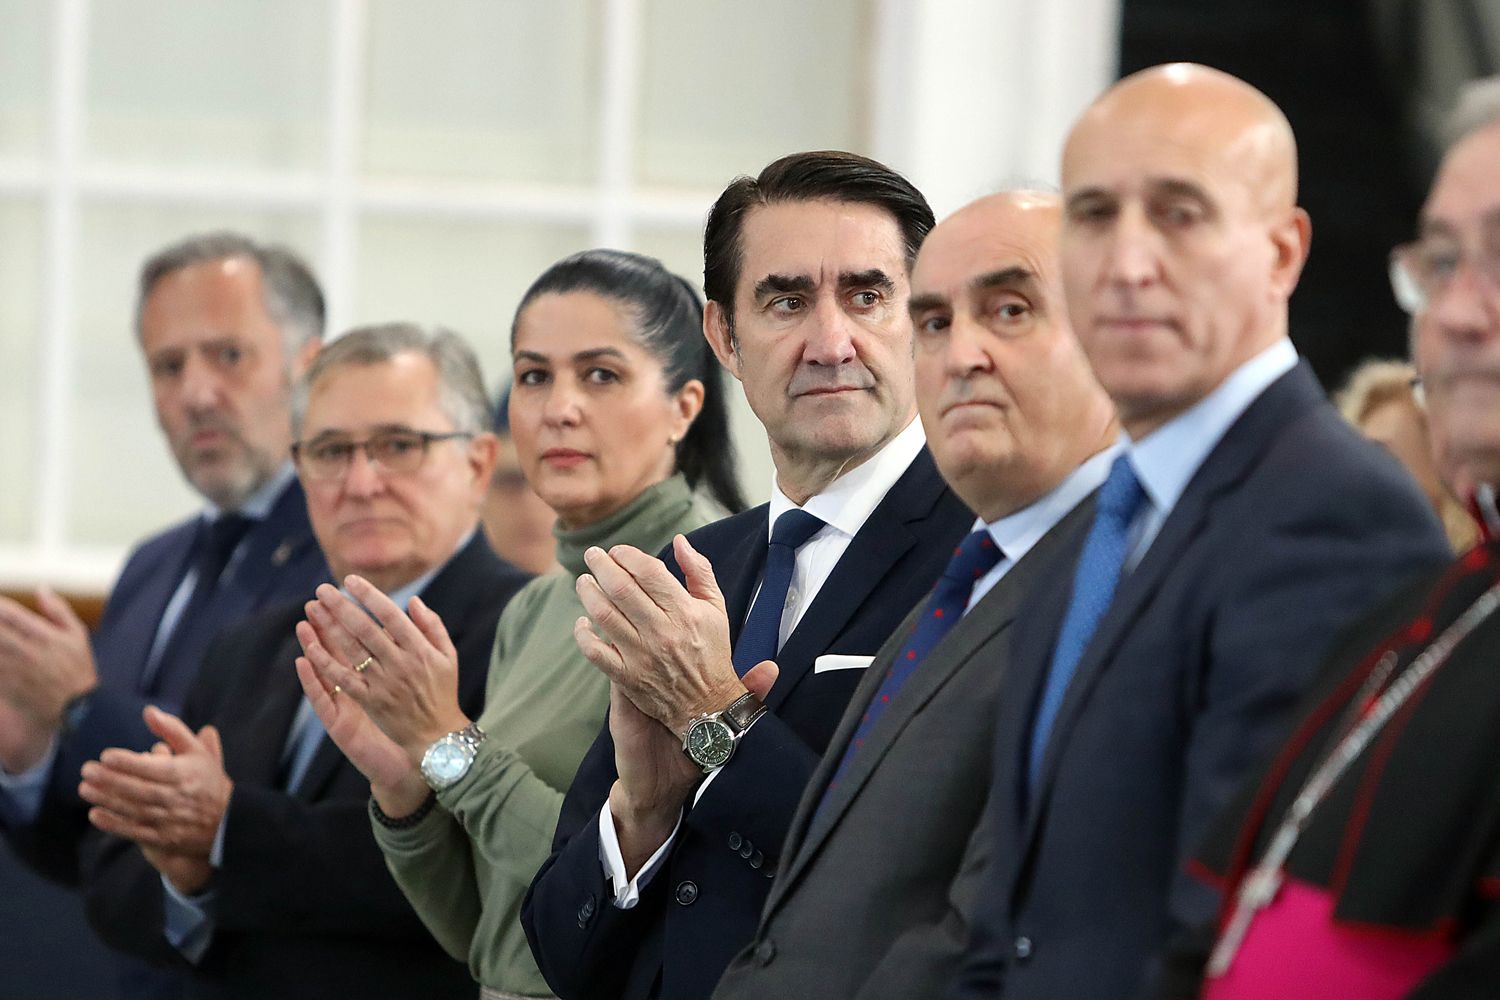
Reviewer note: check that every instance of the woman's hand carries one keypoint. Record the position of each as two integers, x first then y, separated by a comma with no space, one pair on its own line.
402,672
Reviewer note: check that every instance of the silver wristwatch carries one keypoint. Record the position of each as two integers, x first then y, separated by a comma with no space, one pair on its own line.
710,739
449,757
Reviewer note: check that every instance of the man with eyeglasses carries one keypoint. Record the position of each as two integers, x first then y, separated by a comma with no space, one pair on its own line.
226,325
1382,877
240,849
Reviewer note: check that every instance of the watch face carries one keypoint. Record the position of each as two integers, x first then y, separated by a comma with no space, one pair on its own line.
710,742
447,762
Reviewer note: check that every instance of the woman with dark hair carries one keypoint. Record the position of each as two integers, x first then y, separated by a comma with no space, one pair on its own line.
617,414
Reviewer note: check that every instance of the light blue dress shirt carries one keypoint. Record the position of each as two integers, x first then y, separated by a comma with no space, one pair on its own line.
187,924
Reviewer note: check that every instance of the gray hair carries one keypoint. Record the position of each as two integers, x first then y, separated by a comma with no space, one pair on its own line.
1478,107
293,299
461,393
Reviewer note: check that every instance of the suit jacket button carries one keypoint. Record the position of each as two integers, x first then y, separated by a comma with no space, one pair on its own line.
765,952
1023,948
757,859
747,849
687,893
735,840
586,911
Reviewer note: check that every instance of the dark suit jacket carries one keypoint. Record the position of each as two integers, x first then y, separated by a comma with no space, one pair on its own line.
1291,527
302,905
877,892
702,904
280,562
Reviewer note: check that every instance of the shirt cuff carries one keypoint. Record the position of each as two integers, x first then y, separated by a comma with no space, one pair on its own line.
24,792
186,923
216,852
627,890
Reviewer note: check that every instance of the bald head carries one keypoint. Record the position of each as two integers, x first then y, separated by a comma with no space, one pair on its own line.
1181,240
1007,399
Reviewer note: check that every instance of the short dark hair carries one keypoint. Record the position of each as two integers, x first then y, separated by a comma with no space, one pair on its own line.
669,325
825,175
293,299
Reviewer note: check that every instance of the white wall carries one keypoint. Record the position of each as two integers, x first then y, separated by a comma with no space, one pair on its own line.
430,157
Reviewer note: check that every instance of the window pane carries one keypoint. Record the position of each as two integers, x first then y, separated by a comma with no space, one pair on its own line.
123,482
681,250
240,83
462,275
728,87
20,316
478,89
25,41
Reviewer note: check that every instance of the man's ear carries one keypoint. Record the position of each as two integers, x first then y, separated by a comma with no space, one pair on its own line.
716,331
305,355
1292,240
484,451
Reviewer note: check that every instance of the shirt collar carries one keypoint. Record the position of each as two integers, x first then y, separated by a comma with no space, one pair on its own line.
1016,533
257,507
849,500
1166,459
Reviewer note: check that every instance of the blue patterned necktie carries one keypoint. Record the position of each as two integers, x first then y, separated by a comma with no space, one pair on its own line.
213,544
761,636
974,557
1094,582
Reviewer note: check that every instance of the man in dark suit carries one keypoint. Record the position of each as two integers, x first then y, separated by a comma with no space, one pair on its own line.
1243,525
662,862
880,874
253,863
226,326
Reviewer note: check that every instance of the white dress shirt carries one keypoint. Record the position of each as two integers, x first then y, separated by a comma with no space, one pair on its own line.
843,506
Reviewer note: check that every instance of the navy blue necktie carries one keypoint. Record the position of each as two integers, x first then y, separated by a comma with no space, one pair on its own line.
974,557
213,544
1094,582
761,636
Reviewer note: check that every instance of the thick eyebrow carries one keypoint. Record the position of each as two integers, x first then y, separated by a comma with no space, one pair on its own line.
1015,276
872,278
927,302
780,283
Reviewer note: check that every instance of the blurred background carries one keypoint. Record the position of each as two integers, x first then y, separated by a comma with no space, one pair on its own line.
430,157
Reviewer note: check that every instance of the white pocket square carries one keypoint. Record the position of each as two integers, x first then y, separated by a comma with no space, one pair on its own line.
838,661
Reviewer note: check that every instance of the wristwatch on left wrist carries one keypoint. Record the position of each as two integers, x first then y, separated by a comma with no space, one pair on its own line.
449,757
710,739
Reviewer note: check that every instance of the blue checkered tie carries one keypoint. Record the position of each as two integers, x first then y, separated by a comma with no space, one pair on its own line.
761,636
974,557
1094,581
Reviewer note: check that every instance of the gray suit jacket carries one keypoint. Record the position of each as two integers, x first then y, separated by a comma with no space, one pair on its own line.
876,891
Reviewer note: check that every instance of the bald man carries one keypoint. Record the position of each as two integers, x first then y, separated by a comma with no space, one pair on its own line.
878,877
1241,527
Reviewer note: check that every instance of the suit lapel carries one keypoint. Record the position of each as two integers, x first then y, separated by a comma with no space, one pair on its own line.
884,538
1231,460
270,702
983,623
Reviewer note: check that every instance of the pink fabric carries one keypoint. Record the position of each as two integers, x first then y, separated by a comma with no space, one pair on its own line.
1294,951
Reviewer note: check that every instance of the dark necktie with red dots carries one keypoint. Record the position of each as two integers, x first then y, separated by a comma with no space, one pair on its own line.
974,557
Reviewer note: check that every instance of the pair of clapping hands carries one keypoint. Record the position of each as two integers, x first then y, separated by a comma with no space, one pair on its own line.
172,800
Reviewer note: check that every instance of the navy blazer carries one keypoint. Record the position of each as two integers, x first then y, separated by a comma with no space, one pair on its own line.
303,904
1291,528
703,903
280,562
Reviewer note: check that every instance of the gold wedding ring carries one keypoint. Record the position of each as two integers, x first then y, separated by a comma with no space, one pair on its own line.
364,664
336,689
